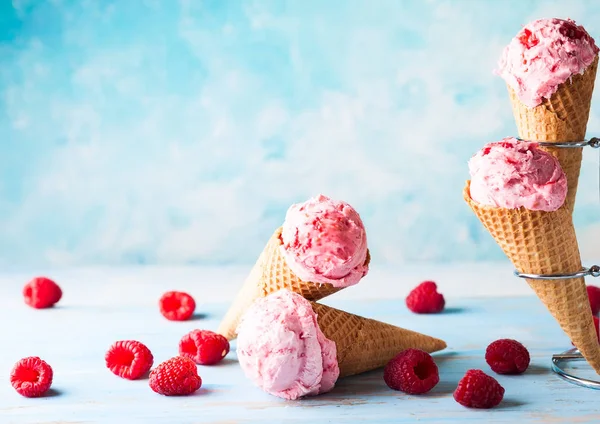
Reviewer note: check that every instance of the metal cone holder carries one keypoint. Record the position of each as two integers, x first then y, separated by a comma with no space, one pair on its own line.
592,142
561,362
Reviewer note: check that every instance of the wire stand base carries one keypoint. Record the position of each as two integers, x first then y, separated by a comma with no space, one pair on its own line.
572,355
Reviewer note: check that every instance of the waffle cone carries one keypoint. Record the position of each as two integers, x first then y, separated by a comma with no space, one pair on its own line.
364,344
563,117
270,274
539,242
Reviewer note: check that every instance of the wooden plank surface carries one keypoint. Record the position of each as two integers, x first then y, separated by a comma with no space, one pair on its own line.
74,336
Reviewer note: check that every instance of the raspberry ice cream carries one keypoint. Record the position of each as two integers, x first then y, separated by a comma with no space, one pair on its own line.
543,55
324,241
282,350
511,173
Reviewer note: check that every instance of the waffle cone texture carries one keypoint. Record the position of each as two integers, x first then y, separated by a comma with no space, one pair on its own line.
539,242
365,344
270,274
563,117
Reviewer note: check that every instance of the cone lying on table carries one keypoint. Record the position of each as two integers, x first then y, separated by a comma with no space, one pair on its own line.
270,274
292,348
539,242
563,117
364,344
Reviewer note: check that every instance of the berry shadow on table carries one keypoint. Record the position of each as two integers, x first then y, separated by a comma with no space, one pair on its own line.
52,393
454,310
199,316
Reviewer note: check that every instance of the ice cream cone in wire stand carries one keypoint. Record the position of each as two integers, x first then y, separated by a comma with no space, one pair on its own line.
550,72
518,192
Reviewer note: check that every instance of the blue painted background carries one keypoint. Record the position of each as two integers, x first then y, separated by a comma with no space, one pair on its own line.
174,132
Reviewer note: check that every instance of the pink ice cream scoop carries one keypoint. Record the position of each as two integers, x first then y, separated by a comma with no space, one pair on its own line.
282,350
543,55
324,241
512,173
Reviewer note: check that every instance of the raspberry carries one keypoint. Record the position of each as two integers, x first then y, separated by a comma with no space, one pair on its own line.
507,144
31,377
175,377
572,31
506,356
528,39
478,390
594,296
204,347
424,299
41,292
129,359
411,371
177,306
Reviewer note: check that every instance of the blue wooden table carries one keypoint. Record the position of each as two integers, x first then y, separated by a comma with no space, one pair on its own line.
94,313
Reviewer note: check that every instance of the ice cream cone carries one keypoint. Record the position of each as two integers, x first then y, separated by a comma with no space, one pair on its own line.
563,117
539,242
270,274
364,344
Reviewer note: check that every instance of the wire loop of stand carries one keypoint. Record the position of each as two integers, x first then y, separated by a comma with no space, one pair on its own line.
593,142
572,355
593,271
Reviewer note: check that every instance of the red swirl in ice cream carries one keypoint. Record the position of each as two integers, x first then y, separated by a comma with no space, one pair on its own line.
543,55
324,241
511,173
282,350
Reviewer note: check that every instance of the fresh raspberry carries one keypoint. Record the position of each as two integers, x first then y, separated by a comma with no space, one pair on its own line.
177,376
594,296
204,347
424,299
478,390
41,292
507,356
129,359
411,371
596,325
31,377
177,306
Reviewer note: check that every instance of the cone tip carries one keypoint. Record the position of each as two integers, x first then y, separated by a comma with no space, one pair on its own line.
227,333
439,345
